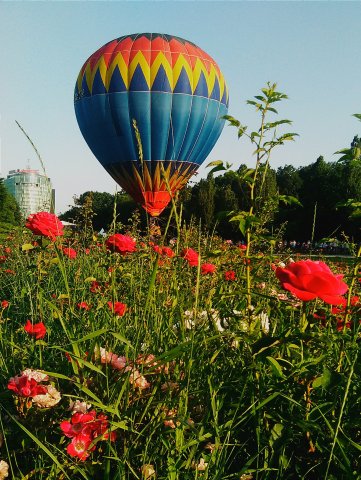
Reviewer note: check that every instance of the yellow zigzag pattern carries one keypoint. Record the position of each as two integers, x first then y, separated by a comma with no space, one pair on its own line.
150,72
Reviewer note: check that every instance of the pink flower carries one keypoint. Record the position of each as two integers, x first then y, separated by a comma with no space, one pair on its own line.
69,252
45,224
208,268
118,308
122,244
120,363
191,256
79,446
37,330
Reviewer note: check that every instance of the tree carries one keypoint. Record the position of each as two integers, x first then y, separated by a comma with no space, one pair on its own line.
9,209
103,206
289,181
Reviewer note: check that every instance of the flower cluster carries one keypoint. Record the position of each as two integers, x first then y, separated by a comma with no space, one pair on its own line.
84,429
30,384
123,365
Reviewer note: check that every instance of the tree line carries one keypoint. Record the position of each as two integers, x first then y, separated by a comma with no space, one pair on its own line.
320,200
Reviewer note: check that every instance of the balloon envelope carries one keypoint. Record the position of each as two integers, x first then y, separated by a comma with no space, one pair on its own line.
175,93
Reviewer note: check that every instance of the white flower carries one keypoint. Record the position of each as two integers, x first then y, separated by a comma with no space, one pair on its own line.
243,324
202,465
188,320
265,325
138,380
36,375
48,399
4,470
79,407
147,471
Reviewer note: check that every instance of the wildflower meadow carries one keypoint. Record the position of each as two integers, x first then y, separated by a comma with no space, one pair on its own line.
173,353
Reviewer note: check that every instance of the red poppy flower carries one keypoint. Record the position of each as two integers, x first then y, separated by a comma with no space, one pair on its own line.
156,248
118,308
168,252
37,330
45,224
69,252
83,306
122,244
309,279
230,275
208,268
95,287
164,251
191,256
4,304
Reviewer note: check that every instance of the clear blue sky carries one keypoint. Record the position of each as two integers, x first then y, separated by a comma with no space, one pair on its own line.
311,49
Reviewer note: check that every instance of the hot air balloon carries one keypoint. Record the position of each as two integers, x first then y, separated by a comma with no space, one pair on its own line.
162,89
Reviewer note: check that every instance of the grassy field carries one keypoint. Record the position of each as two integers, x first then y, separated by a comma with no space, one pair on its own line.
153,362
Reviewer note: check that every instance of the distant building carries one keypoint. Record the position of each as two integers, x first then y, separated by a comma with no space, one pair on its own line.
32,191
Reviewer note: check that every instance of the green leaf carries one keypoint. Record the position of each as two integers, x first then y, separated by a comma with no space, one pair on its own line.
289,200
95,334
324,380
214,163
276,367
232,121
241,222
122,339
26,247
287,137
218,166
268,126
276,431
255,104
